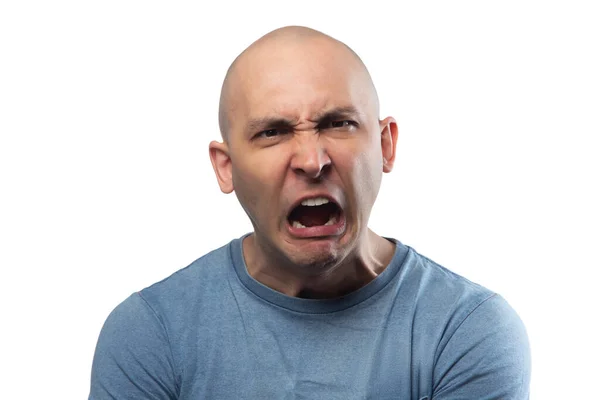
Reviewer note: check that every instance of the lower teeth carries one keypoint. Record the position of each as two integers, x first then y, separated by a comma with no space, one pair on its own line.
331,221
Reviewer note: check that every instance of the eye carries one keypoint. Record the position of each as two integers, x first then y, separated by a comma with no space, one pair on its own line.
269,133
341,124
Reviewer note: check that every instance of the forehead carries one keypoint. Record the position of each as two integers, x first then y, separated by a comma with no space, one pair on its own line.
298,82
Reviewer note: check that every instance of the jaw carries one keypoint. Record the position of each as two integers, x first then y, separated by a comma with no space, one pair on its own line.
309,251
317,268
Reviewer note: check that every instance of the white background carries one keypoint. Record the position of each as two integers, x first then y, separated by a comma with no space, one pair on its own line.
107,108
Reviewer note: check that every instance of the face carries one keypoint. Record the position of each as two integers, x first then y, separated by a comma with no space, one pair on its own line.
305,129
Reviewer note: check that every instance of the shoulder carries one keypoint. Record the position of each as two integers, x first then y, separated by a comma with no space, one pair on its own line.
133,352
152,303
479,343
138,346
192,282
487,354
173,302
439,289
460,300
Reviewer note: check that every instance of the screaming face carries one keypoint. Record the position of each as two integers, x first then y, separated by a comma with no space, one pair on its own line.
304,149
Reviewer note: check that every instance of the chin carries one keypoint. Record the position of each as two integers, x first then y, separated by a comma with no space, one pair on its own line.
314,261
318,255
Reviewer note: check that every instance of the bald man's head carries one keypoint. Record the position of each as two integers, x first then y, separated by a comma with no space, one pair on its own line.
278,52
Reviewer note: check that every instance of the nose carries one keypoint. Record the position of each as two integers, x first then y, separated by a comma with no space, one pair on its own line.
310,157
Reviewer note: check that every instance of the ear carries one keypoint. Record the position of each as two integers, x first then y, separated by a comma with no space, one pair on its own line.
389,137
221,162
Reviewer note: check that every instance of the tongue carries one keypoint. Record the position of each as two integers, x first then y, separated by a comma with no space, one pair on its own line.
312,216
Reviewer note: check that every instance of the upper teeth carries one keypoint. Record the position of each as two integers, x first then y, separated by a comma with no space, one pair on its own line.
317,201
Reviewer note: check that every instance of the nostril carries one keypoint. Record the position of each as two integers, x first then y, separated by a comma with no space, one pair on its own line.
311,161
325,169
314,171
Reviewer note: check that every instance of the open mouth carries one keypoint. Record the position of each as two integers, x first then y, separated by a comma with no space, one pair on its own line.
315,212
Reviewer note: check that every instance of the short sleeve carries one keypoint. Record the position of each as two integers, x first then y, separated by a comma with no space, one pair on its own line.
487,356
133,359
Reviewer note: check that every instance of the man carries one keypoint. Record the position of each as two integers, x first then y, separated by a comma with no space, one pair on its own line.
312,304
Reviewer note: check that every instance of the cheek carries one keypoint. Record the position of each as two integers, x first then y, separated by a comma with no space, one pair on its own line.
368,177
247,186
361,168
255,182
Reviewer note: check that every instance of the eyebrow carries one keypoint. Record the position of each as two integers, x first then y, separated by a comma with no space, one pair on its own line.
261,124
264,123
337,113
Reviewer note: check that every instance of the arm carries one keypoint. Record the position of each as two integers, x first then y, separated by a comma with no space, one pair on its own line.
133,358
487,356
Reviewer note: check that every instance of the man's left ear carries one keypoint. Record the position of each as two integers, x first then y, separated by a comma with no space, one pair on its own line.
389,137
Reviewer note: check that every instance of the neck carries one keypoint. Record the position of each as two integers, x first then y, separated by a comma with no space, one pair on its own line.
355,270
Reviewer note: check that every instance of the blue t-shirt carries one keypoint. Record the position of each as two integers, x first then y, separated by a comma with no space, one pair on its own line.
211,331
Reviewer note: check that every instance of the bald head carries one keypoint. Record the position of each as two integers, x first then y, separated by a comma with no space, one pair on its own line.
280,52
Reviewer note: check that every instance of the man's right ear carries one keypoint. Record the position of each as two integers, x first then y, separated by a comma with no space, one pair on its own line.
221,162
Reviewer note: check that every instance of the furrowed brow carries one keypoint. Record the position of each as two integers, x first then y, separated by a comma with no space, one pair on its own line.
338,113
261,124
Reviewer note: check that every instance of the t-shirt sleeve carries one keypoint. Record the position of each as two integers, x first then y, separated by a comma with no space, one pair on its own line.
133,358
487,356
